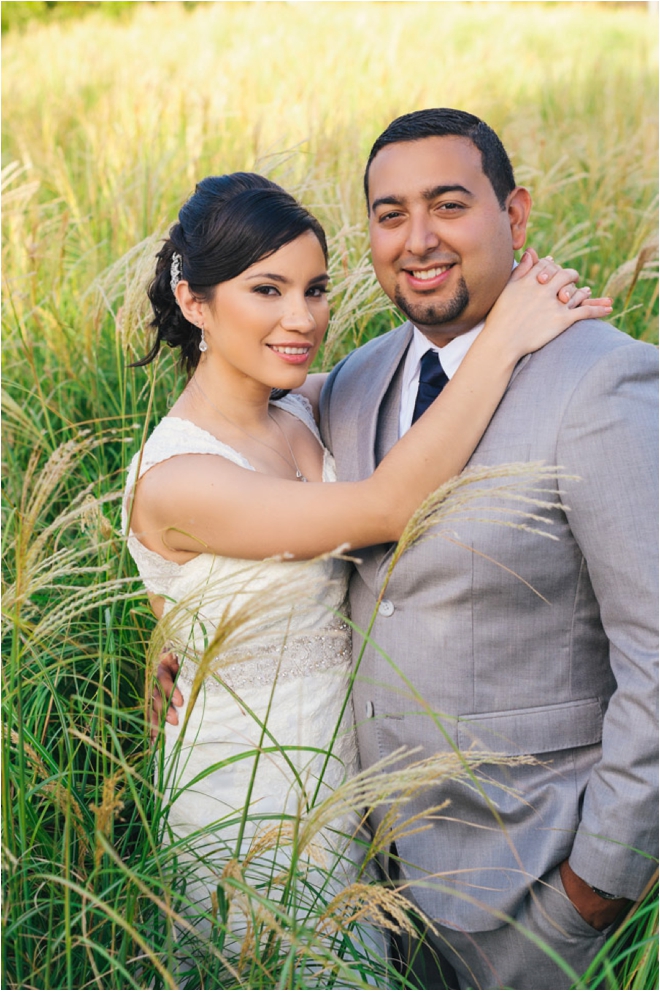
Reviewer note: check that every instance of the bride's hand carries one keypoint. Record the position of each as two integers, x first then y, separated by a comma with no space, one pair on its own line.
570,294
539,302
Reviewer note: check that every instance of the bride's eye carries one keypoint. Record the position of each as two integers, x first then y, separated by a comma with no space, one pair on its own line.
266,290
317,291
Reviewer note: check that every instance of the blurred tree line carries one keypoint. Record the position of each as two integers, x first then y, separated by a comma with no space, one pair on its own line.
18,14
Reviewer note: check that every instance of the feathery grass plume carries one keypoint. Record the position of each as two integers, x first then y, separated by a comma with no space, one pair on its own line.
470,496
56,792
111,803
356,297
644,266
125,282
249,610
385,907
15,199
379,786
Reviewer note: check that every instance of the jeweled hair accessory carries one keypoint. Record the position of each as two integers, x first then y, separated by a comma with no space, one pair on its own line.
175,271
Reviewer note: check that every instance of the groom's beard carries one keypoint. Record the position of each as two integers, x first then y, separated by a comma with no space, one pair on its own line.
436,313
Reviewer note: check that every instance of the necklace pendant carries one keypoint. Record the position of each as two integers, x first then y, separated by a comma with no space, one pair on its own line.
299,476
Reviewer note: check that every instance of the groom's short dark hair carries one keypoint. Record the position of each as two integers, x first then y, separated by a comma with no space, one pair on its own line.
442,122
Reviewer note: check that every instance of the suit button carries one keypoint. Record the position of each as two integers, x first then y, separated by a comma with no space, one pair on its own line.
369,709
386,608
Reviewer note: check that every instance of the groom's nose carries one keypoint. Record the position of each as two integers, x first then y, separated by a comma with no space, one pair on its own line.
422,236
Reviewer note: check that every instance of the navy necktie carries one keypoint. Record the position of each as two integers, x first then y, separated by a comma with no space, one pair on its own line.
432,381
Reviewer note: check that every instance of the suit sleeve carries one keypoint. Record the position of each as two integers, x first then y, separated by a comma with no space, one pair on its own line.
608,438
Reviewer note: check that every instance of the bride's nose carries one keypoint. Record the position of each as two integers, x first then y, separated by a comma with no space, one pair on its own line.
298,316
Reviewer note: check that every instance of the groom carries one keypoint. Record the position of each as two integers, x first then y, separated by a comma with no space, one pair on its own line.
519,644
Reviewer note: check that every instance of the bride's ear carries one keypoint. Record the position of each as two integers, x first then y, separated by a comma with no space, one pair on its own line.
189,306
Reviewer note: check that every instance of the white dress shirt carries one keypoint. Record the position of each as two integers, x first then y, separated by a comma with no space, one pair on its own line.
451,355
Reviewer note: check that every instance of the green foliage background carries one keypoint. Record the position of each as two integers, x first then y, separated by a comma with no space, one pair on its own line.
108,121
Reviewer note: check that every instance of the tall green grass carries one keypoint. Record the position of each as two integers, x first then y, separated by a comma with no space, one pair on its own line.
106,127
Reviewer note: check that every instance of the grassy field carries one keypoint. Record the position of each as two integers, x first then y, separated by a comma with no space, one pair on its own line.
106,127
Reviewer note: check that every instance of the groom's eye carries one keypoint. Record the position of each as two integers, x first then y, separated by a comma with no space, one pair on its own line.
390,215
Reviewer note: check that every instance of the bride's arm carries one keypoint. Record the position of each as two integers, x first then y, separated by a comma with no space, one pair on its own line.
213,505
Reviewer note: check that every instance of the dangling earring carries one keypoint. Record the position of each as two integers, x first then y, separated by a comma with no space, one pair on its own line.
203,346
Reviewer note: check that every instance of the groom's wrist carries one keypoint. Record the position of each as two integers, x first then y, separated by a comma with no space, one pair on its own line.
598,908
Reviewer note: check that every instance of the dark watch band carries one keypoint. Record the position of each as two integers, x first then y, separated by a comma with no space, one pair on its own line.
605,894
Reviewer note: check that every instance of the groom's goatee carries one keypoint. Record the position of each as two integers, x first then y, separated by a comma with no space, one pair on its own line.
434,313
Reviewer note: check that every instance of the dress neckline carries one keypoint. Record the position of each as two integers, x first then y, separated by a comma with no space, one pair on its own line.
207,433
228,447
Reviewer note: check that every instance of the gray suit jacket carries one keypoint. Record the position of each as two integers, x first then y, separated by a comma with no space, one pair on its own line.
570,677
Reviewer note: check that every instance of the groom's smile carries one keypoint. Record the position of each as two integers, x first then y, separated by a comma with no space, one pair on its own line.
442,246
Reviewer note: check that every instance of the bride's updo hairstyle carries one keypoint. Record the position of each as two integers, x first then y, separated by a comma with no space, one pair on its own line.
229,223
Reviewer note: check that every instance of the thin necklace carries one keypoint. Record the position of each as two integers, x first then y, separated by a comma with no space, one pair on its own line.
299,475
295,467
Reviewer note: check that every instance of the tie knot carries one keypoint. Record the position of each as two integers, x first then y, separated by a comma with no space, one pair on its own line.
431,370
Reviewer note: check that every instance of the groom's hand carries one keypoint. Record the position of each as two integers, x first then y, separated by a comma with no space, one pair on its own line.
164,692
598,912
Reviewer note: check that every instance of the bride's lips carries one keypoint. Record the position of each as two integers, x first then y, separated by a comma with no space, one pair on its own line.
291,354
425,279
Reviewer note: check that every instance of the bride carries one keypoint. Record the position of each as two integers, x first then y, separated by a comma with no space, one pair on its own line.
227,508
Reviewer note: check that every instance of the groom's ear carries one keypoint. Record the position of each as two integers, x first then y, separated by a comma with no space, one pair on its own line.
189,306
518,206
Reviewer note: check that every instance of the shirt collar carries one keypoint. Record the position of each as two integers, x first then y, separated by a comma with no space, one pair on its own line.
451,355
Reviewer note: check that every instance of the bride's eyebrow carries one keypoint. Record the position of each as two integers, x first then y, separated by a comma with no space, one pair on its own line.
274,277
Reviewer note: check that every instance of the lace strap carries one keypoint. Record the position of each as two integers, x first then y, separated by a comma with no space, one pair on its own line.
300,407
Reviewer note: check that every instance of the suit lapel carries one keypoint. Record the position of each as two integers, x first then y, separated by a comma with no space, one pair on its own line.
372,428
377,381
387,431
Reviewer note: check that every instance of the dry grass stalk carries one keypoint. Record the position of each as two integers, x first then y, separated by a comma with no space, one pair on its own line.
464,497
16,199
385,907
111,804
127,280
626,276
61,797
378,786
392,828
250,609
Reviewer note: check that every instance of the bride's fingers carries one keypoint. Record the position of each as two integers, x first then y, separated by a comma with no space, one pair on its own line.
568,293
592,310
546,268
528,259
574,298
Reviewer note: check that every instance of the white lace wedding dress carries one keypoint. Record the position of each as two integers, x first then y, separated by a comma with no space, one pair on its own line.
266,662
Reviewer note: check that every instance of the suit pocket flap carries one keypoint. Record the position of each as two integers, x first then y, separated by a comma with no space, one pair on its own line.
533,731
